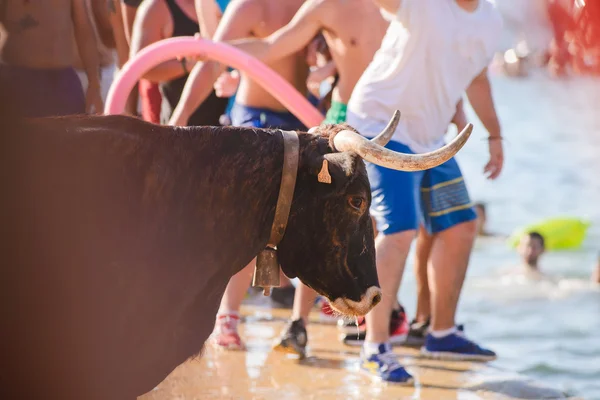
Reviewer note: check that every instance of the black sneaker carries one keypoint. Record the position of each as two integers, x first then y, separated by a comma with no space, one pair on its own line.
417,333
293,339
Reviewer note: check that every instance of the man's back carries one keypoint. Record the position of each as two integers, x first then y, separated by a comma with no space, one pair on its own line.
38,33
353,31
274,15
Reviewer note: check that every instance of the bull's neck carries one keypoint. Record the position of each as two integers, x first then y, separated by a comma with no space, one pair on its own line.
240,174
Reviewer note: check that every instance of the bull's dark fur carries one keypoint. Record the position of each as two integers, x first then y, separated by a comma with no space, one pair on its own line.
120,237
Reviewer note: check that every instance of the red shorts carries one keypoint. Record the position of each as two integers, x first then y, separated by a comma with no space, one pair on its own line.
151,101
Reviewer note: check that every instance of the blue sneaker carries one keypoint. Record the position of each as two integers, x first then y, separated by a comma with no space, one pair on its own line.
455,347
385,366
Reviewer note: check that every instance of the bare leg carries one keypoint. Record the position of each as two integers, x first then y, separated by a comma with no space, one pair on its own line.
449,260
236,290
284,281
423,251
304,300
391,252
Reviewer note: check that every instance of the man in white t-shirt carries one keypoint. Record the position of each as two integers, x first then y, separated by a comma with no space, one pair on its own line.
433,51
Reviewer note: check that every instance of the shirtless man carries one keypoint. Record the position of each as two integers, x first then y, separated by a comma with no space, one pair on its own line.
37,57
353,31
254,106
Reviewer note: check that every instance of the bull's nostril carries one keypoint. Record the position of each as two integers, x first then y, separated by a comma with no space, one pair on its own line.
376,299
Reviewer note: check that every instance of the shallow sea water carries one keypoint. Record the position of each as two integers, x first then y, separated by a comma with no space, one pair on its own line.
548,330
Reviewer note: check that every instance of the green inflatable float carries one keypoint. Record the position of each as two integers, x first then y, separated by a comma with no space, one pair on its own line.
561,233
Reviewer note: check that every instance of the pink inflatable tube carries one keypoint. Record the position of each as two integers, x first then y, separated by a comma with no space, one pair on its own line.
169,49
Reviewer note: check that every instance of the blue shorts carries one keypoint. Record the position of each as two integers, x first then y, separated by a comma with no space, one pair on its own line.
436,198
263,118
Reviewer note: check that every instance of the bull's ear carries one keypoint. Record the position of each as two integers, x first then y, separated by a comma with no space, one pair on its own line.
333,168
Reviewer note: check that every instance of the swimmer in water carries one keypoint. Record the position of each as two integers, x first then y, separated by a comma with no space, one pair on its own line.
531,247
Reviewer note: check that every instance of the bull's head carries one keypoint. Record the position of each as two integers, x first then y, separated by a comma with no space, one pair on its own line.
329,241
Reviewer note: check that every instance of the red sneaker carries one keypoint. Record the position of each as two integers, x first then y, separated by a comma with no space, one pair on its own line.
225,334
398,326
326,314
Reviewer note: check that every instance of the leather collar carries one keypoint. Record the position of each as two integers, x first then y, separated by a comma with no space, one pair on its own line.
266,272
291,148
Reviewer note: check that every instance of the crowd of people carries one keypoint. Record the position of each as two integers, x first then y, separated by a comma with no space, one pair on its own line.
418,56
561,35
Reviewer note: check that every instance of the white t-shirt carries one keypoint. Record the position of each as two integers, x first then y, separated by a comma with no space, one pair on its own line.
432,51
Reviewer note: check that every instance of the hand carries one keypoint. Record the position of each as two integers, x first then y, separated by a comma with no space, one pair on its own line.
494,166
93,100
191,60
227,83
315,77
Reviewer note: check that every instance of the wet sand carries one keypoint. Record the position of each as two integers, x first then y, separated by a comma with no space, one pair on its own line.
330,371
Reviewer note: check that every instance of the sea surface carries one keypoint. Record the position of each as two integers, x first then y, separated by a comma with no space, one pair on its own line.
550,329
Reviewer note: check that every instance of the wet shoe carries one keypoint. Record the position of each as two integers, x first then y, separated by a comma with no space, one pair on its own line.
283,296
352,327
384,365
398,330
417,333
455,347
294,339
225,334
398,327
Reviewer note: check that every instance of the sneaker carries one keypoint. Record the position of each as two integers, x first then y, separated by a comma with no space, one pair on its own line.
326,314
416,333
398,327
398,330
384,365
455,347
294,339
225,334
352,327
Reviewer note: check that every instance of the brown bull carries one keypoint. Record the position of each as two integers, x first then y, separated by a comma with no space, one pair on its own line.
120,237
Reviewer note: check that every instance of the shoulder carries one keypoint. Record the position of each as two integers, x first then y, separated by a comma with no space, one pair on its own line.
247,6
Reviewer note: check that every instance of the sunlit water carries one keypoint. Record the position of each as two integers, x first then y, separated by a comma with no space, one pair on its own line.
548,330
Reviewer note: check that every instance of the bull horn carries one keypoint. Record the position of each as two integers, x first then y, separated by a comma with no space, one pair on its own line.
386,135
374,153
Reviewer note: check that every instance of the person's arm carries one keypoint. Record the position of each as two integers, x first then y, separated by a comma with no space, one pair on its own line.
101,10
128,11
239,20
88,51
290,39
150,26
479,93
209,15
115,17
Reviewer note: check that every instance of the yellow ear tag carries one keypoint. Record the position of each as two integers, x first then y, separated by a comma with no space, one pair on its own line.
324,176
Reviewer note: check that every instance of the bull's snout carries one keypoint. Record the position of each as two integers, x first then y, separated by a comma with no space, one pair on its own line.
368,300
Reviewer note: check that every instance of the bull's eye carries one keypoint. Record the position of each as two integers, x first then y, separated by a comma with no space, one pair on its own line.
356,202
